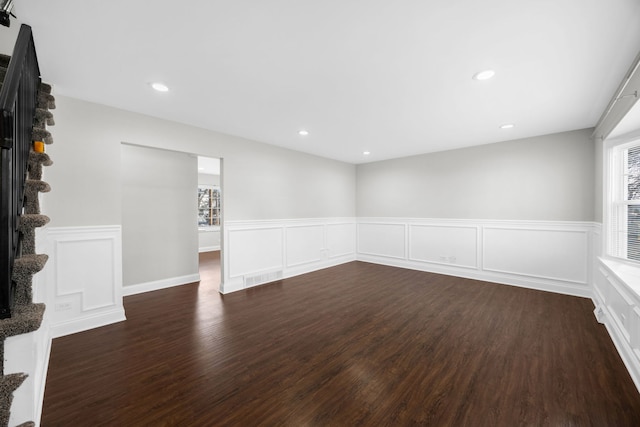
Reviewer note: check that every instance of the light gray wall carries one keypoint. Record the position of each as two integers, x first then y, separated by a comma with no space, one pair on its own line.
260,181
543,178
159,210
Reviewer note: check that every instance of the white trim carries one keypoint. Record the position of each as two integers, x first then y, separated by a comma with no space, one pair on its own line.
317,258
542,278
509,223
77,268
231,285
39,398
90,321
529,282
282,253
159,284
277,223
208,249
624,336
409,238
405,239
28,353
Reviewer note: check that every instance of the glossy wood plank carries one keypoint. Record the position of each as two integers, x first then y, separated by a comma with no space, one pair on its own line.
358,344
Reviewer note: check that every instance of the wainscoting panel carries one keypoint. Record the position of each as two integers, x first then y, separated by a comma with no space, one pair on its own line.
305,244
84,277
255,250
444,245
258,252
341,239
380,239
551,254
80,279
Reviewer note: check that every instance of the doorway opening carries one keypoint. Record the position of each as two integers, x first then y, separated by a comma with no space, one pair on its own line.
210,221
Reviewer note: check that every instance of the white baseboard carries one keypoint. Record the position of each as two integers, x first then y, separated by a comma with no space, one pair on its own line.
231,285
209,249
237,284
624,349
39,398
159,284
88,321
487,276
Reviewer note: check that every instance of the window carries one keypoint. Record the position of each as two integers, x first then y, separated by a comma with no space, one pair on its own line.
624,207
208,206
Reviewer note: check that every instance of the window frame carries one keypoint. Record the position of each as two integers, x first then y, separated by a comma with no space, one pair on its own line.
616,201
212,188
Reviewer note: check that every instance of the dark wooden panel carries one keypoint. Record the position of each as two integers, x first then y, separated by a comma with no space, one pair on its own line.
358,344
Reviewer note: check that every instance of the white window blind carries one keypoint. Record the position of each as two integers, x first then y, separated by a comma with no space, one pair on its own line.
624,218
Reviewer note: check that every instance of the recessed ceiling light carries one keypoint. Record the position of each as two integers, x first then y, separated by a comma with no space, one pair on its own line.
507,126
366,153
160,87
303,132
484,75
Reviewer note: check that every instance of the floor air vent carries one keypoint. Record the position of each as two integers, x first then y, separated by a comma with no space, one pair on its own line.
262,278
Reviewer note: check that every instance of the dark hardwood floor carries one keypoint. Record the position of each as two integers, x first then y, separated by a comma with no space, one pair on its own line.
358,344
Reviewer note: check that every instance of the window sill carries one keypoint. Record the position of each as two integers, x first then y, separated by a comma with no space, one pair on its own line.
627,274
209,229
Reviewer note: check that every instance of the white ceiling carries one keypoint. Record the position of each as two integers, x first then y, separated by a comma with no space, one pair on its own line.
389,77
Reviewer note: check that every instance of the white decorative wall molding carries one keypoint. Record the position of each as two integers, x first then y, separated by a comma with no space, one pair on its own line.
546,255
341,240
460,244
257,252
382,239
557,255
617,299
305,244
84,278
254,250
159,284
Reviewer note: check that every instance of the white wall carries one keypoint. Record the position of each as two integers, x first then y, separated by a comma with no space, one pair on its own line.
547,178
159,229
